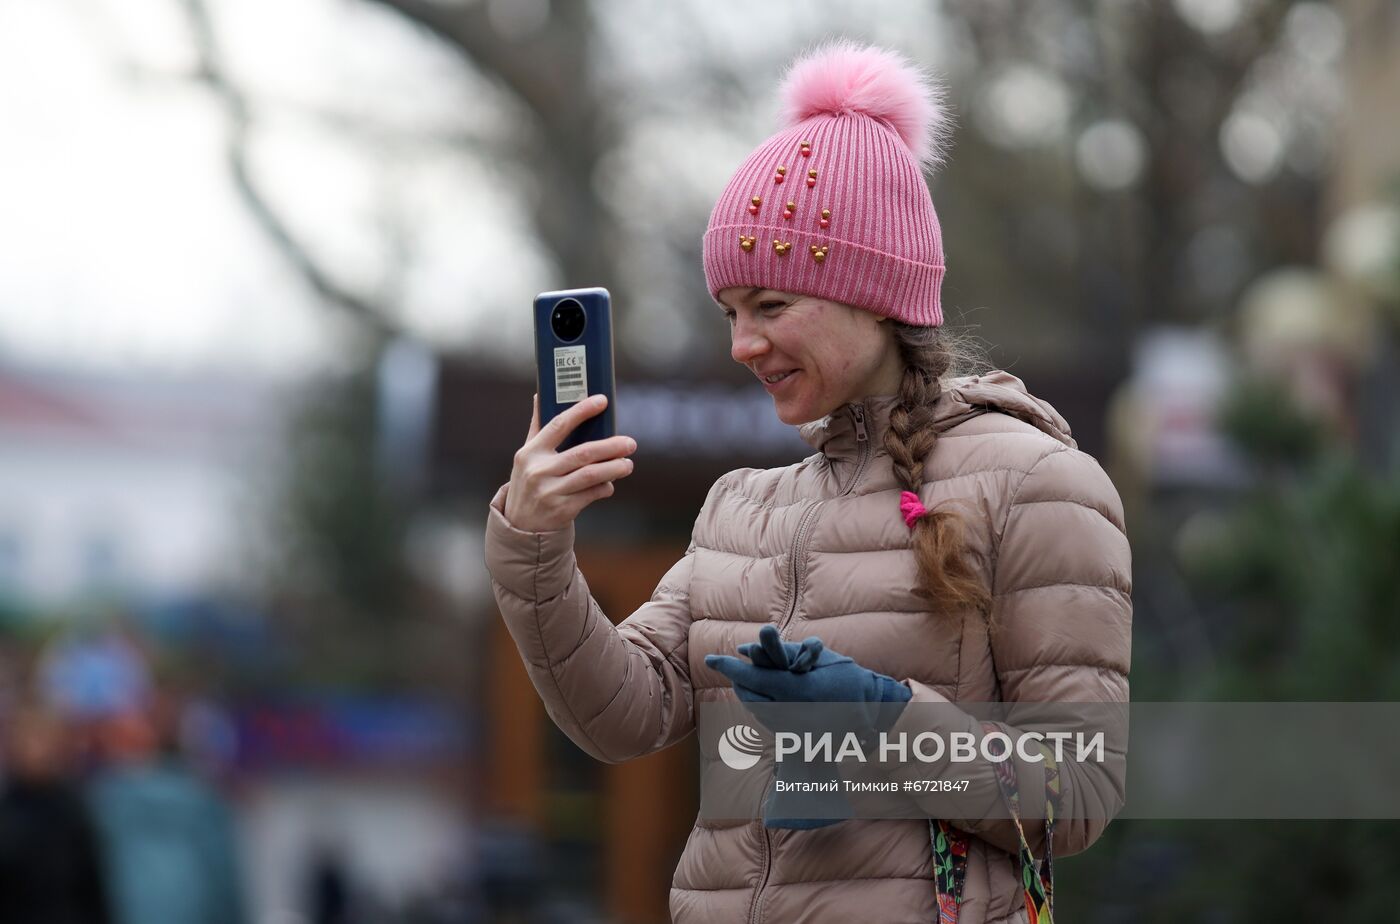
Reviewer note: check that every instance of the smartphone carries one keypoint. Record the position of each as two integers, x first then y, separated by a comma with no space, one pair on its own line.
574,358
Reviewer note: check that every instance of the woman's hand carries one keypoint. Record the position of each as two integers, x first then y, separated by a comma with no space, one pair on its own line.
809,673
548,489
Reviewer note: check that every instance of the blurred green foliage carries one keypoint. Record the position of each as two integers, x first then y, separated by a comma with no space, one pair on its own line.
1309,559
341,582
1304,564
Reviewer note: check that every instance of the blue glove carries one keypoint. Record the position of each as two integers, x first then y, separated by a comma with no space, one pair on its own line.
772,651
810,673
807,672
804,811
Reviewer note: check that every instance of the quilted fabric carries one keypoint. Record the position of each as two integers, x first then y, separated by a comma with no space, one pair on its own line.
820,548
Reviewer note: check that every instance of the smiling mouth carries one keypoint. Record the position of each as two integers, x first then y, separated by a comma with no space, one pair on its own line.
775,379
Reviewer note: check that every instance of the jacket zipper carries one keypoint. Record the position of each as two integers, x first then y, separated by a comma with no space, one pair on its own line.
796,557
757,900
863,441
767,868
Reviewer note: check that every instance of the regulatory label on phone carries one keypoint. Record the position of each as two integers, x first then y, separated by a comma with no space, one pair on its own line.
570,385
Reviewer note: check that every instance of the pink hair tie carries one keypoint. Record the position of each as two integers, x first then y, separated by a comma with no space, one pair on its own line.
911,507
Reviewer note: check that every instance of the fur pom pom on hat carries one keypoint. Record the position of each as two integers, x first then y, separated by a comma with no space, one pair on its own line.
835,203
843,77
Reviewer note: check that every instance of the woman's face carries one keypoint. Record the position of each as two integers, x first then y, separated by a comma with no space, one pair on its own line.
840,354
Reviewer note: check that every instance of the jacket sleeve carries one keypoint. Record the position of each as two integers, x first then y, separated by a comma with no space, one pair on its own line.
1061,623
618,692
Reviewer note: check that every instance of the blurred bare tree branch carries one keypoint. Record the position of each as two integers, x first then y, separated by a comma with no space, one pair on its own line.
369,316
548,73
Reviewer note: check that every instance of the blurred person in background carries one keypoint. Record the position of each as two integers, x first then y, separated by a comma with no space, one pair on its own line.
50,861
328,886
88,673
825,255
168,836
509,877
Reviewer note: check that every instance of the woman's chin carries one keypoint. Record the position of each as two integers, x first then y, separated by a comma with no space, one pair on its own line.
792,413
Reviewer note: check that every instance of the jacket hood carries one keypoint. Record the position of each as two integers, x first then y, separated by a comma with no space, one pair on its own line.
836,434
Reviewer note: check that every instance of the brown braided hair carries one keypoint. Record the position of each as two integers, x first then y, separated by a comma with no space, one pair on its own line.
930,354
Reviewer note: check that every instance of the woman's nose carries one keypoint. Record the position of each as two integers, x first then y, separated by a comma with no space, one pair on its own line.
747,344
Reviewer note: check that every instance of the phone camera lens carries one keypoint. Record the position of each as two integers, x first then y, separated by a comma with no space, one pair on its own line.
567,320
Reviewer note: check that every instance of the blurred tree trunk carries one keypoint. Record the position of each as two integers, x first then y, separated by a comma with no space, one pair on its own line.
547,73
569,127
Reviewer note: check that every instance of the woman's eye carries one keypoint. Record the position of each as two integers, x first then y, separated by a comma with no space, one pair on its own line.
770,304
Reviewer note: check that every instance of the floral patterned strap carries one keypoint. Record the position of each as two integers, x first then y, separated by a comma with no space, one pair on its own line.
949,867
950,847
1036,879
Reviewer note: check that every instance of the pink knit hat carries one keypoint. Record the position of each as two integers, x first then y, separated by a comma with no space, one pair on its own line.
835,204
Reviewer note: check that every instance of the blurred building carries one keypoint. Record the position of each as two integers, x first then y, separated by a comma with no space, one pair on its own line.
125,485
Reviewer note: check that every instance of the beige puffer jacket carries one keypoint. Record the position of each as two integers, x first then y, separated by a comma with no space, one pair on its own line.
820,547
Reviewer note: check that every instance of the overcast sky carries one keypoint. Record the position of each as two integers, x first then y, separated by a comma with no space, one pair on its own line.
122,241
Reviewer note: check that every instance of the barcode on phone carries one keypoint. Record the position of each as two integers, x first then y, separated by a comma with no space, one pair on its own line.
570,383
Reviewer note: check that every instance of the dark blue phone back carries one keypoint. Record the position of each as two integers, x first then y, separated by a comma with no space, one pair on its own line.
569,369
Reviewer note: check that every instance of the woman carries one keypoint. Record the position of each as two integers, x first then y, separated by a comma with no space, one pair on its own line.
947,537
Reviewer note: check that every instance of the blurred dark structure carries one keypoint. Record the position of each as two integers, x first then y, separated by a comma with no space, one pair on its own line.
329,890
51,862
